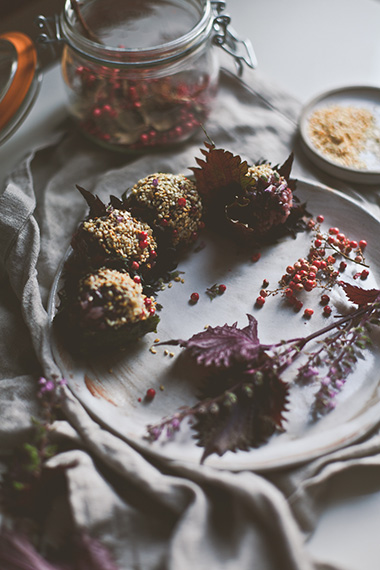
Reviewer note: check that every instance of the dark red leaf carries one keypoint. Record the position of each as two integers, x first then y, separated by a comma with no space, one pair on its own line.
224,346
358,295
285,169
249,422
97,207
17,553
220,170
92,554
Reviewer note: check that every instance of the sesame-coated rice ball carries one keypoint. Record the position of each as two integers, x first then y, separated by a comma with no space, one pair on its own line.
170,203
107,310
109,298
116,236
270,198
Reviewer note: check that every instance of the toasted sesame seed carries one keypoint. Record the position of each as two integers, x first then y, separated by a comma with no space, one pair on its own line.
119,235
128,300
165,196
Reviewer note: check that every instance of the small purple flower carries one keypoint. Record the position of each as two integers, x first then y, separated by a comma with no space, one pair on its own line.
47,387
155,182
308,372
155,432
175,423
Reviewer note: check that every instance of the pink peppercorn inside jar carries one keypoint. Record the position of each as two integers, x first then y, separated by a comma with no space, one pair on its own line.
140,73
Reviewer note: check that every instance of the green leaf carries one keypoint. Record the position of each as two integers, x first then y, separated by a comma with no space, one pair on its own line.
50,450
18,486
33,456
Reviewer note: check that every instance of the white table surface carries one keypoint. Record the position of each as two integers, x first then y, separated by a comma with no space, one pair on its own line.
306,46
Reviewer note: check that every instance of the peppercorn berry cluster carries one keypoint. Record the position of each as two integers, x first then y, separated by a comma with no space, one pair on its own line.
327,259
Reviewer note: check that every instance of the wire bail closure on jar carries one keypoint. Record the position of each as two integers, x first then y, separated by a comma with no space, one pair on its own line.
225,37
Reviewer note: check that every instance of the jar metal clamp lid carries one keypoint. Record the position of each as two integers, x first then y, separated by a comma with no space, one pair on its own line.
226,38
54,30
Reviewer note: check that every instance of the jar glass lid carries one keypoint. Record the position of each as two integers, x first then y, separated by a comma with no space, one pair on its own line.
19,80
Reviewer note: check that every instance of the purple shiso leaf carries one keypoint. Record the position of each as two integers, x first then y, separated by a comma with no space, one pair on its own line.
93,555
17,553
97,207
224,346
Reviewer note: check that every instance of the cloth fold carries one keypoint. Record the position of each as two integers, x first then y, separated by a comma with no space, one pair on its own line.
151,515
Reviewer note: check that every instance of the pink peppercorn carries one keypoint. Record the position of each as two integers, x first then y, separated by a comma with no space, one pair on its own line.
150,393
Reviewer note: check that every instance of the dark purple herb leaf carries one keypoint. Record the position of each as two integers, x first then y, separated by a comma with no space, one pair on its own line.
97,207
246,417
224,346
17,553
285,169
358,295
221,169
92,554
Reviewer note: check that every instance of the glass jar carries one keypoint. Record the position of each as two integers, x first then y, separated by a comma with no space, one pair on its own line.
142,73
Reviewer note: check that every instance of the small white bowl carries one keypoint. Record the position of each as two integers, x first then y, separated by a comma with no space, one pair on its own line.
360,96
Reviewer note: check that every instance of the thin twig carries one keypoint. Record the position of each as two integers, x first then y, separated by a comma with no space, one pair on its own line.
87,31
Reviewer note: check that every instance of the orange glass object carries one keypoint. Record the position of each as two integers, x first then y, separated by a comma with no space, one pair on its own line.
23,78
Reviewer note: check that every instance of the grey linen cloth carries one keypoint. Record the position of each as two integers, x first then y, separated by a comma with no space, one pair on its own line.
151,516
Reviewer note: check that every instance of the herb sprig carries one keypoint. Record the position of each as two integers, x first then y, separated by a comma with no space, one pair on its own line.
245,396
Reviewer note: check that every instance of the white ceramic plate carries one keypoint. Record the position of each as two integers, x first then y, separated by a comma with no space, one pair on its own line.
109,387
360,96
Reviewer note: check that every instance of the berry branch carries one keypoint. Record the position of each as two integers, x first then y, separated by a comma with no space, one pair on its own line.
319,269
